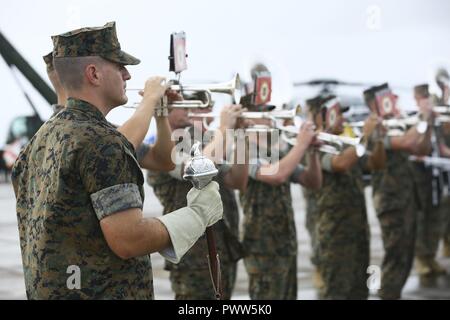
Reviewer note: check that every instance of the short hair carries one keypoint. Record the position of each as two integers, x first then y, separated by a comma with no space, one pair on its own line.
70,70
422,91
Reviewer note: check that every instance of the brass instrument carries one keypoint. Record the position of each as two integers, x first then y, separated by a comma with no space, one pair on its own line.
396,127
333,144
232,88
272,115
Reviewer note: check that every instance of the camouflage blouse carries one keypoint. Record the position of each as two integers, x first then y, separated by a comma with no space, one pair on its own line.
75,171
393,187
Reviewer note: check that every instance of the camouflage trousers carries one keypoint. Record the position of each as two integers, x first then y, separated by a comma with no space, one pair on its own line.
343,253
446,217
272,277
398,228
310,222
197,284
432,223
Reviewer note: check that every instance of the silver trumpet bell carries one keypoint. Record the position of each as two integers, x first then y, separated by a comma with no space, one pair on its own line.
232,88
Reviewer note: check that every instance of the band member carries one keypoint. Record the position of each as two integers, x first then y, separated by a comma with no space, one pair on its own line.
79,188
429,182
339,228
191,279
270,239
443,82
393,190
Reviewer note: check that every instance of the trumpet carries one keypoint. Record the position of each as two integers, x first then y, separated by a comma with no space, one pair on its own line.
272,115
232,88
333,144
396,127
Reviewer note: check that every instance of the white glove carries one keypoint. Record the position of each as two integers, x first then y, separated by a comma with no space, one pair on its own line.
186,225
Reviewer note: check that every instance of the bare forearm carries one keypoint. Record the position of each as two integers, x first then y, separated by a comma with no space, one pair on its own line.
237,177
130,235
278,173
409,142
135,128
423,144
345,161
445,151
164,144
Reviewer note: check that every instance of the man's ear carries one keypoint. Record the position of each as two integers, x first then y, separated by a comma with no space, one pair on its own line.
92,74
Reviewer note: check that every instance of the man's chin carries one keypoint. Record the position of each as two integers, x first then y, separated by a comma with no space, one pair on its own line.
120,102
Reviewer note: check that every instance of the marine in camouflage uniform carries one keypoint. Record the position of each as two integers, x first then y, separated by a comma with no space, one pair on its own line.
190,279
270,241
443,81
77,170
340,228
342,233
393,196
81,161
269,234
445,205
431,215
393,191
53,76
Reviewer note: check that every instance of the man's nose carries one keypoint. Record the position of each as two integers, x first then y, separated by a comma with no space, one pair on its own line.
125,74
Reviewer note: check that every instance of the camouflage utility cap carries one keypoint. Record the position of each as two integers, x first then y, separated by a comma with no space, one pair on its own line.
94,41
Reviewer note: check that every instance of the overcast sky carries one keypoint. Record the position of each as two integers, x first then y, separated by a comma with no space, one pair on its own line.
400,41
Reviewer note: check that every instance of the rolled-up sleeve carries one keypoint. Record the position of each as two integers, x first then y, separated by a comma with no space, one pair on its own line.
116,198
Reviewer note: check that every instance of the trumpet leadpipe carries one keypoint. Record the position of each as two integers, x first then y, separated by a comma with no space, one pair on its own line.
273,115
